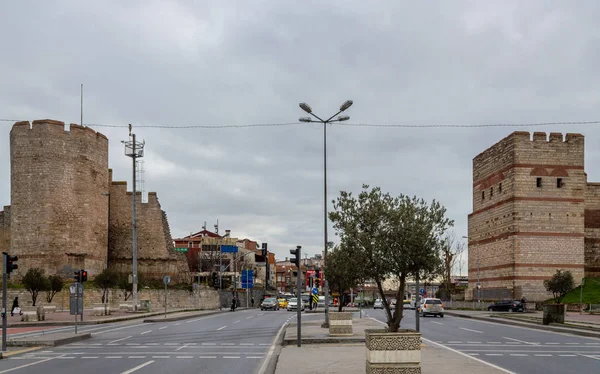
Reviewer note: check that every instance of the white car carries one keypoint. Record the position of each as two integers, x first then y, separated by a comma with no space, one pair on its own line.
433,307
293,304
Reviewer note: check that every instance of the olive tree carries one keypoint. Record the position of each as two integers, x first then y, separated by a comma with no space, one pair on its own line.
343,271
391,238
560,284
35,281
55,285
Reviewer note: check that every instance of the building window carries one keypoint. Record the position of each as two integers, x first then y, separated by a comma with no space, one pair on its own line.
482,195
491,192
559,182
538,182
500,188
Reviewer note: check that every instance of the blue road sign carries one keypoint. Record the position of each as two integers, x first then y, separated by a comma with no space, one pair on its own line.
422,290
229,248
247,278
315,291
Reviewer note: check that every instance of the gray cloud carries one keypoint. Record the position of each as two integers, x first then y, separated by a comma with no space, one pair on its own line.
176,63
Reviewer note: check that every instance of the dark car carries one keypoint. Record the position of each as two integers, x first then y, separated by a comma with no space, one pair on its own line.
270,303
506,306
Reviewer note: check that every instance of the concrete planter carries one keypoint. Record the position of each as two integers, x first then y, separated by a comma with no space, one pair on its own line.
340,324
393,352
554,313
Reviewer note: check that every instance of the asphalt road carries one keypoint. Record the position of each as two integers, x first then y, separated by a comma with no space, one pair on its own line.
513,348
230,342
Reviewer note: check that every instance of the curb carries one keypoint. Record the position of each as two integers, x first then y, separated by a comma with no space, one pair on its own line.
18,352
95,322
48,343
499,320
271,365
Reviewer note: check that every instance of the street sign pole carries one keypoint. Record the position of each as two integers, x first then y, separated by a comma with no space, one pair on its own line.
76,304
166,281
417,327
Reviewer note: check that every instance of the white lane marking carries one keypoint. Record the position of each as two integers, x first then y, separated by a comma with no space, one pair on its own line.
95,344
209,343
238,321
568,355
138,367
439,323
254,356
26,365
184,356
177,324
454,341
477,331
151,343
182,347
120,328
231,356
264,344
459,352
542,355
89,356
114,357
221,328
494,354
207,357
145,332
265,364
132,344
473,342
136,357
552,343
162,328
250,317
520,341
227,343
519,354
588,356
171,343
66,358
494,342
247,344
161,356
572,343
46,352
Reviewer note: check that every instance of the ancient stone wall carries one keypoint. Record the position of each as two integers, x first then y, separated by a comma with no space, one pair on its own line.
155,251
59,216
5,231
592,230
528,213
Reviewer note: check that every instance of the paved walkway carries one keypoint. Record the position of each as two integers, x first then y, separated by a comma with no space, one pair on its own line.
572,318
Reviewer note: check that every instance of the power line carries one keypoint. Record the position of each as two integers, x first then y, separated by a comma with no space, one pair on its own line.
438,125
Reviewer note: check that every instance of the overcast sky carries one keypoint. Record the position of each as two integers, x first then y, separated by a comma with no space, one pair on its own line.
175,63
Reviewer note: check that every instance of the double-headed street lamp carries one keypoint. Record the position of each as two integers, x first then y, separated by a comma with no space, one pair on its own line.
305,107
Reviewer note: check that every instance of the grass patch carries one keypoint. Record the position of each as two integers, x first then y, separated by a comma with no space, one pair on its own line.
591,293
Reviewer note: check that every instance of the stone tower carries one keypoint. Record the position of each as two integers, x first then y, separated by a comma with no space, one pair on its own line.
59,215
528,215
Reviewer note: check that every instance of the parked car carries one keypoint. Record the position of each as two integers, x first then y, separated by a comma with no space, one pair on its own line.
378,304
282,302
407,305
269,303
293,304
433,307
321,303
393,303
506,306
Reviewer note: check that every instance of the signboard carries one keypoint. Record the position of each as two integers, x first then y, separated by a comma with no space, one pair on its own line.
76,288
183,250
247,278
422,291
315,291
229,249
76,305
166,279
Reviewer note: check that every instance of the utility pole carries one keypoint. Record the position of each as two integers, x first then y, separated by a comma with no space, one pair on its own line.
417,305
134,150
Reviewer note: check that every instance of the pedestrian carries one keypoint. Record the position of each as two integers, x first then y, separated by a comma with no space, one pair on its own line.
252,301
15,305
524,302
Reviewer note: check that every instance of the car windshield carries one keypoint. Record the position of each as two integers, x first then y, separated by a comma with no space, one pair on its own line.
434,301
270,300
293,300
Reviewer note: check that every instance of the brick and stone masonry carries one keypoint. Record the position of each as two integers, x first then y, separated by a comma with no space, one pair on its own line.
58,219
533,213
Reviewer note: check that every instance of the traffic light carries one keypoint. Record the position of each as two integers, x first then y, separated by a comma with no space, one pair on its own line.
11,263
215,279
296,252
264,249
83,275
77,276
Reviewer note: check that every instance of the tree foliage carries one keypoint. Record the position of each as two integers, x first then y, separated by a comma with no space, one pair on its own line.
126,287
343,271
391,237
35,281
560,284
450,249
106,280
55,285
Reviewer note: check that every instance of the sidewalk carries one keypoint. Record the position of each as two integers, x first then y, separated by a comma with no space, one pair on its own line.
346,355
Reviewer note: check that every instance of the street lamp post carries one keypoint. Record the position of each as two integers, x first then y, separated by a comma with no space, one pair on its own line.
305,107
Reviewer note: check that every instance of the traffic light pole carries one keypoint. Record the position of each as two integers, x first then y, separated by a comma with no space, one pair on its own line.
4,311
299,302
